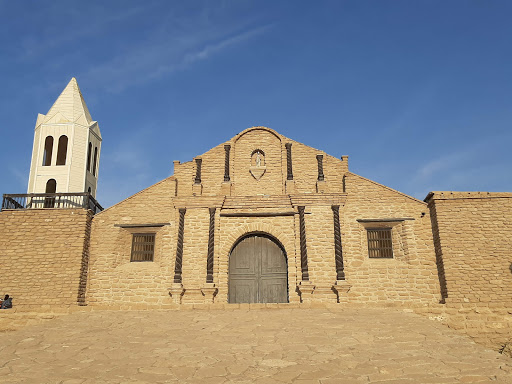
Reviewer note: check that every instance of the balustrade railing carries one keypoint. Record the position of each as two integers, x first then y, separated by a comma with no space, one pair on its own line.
51,200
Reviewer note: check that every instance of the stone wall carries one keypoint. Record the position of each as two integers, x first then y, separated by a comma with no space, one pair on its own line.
411,274
265,202
43,255
112,277
473,238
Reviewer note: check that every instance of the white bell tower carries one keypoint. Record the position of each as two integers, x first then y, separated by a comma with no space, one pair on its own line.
67,145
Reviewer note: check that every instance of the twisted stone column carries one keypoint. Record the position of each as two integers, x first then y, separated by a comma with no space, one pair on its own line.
338,250
179,247
303,247
227,148
211,243
320,159
289,170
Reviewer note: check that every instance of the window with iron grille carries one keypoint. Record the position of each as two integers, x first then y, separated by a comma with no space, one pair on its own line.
143,247
379,243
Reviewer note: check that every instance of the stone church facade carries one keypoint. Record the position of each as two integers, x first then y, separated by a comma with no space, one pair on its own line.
263,218
260,218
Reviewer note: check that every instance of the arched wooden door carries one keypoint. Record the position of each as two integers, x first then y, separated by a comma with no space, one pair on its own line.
258,272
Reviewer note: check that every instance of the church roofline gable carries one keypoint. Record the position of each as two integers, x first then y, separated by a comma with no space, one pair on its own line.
172,177
388,188
261,128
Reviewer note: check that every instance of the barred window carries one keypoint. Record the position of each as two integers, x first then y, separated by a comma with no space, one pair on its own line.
379,243
143,247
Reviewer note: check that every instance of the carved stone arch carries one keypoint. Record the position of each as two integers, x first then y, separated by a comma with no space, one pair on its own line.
249,177
260,128
259,233
258,158
258,150
244,230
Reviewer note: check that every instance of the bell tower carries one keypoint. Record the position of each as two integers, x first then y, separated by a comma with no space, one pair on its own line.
67,145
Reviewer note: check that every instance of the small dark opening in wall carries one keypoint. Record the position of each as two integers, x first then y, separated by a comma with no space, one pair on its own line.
62,150
51,187
48,148
89,150
95,161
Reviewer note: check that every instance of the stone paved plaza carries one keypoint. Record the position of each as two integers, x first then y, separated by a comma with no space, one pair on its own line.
282,345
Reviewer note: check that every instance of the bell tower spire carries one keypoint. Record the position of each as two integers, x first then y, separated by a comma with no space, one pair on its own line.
67,145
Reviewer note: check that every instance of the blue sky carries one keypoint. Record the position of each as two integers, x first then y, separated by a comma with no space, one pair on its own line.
417,93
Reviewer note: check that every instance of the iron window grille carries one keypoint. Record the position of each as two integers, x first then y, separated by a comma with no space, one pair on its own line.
380,244
143,247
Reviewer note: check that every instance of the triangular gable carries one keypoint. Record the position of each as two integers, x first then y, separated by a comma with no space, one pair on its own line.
57,118
40,119
70,104
82,120
95,128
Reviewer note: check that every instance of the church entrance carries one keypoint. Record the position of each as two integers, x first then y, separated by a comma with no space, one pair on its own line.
258,271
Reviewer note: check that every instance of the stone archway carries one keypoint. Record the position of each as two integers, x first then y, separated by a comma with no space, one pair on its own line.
258,271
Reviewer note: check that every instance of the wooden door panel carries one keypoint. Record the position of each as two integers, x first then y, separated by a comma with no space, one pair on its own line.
258,272
273,290
273,262
243,290
243,260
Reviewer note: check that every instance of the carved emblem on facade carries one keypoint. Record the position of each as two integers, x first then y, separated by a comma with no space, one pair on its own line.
258,166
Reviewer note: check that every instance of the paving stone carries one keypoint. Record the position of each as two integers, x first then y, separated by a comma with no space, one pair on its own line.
247,346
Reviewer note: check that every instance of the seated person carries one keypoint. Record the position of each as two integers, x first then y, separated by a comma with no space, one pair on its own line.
7,303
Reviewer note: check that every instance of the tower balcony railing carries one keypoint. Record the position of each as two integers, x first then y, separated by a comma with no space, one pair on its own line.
51,200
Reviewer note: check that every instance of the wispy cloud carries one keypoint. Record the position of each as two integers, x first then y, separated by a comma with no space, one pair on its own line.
145,63
212,49
475,165
442,164
51,38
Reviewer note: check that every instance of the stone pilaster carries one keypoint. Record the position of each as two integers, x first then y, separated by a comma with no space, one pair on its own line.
209,291
306,289
176,291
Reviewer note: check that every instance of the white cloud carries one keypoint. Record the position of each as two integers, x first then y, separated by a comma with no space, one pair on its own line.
441,164
163,55
212,49
51,38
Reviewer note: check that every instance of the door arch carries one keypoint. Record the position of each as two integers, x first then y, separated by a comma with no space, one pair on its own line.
258,271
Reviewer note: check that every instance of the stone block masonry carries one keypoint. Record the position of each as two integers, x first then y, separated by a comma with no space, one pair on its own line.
44,256
170,245
256,190
473,241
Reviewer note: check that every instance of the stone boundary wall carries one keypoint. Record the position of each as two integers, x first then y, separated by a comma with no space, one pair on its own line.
43,253
473,242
